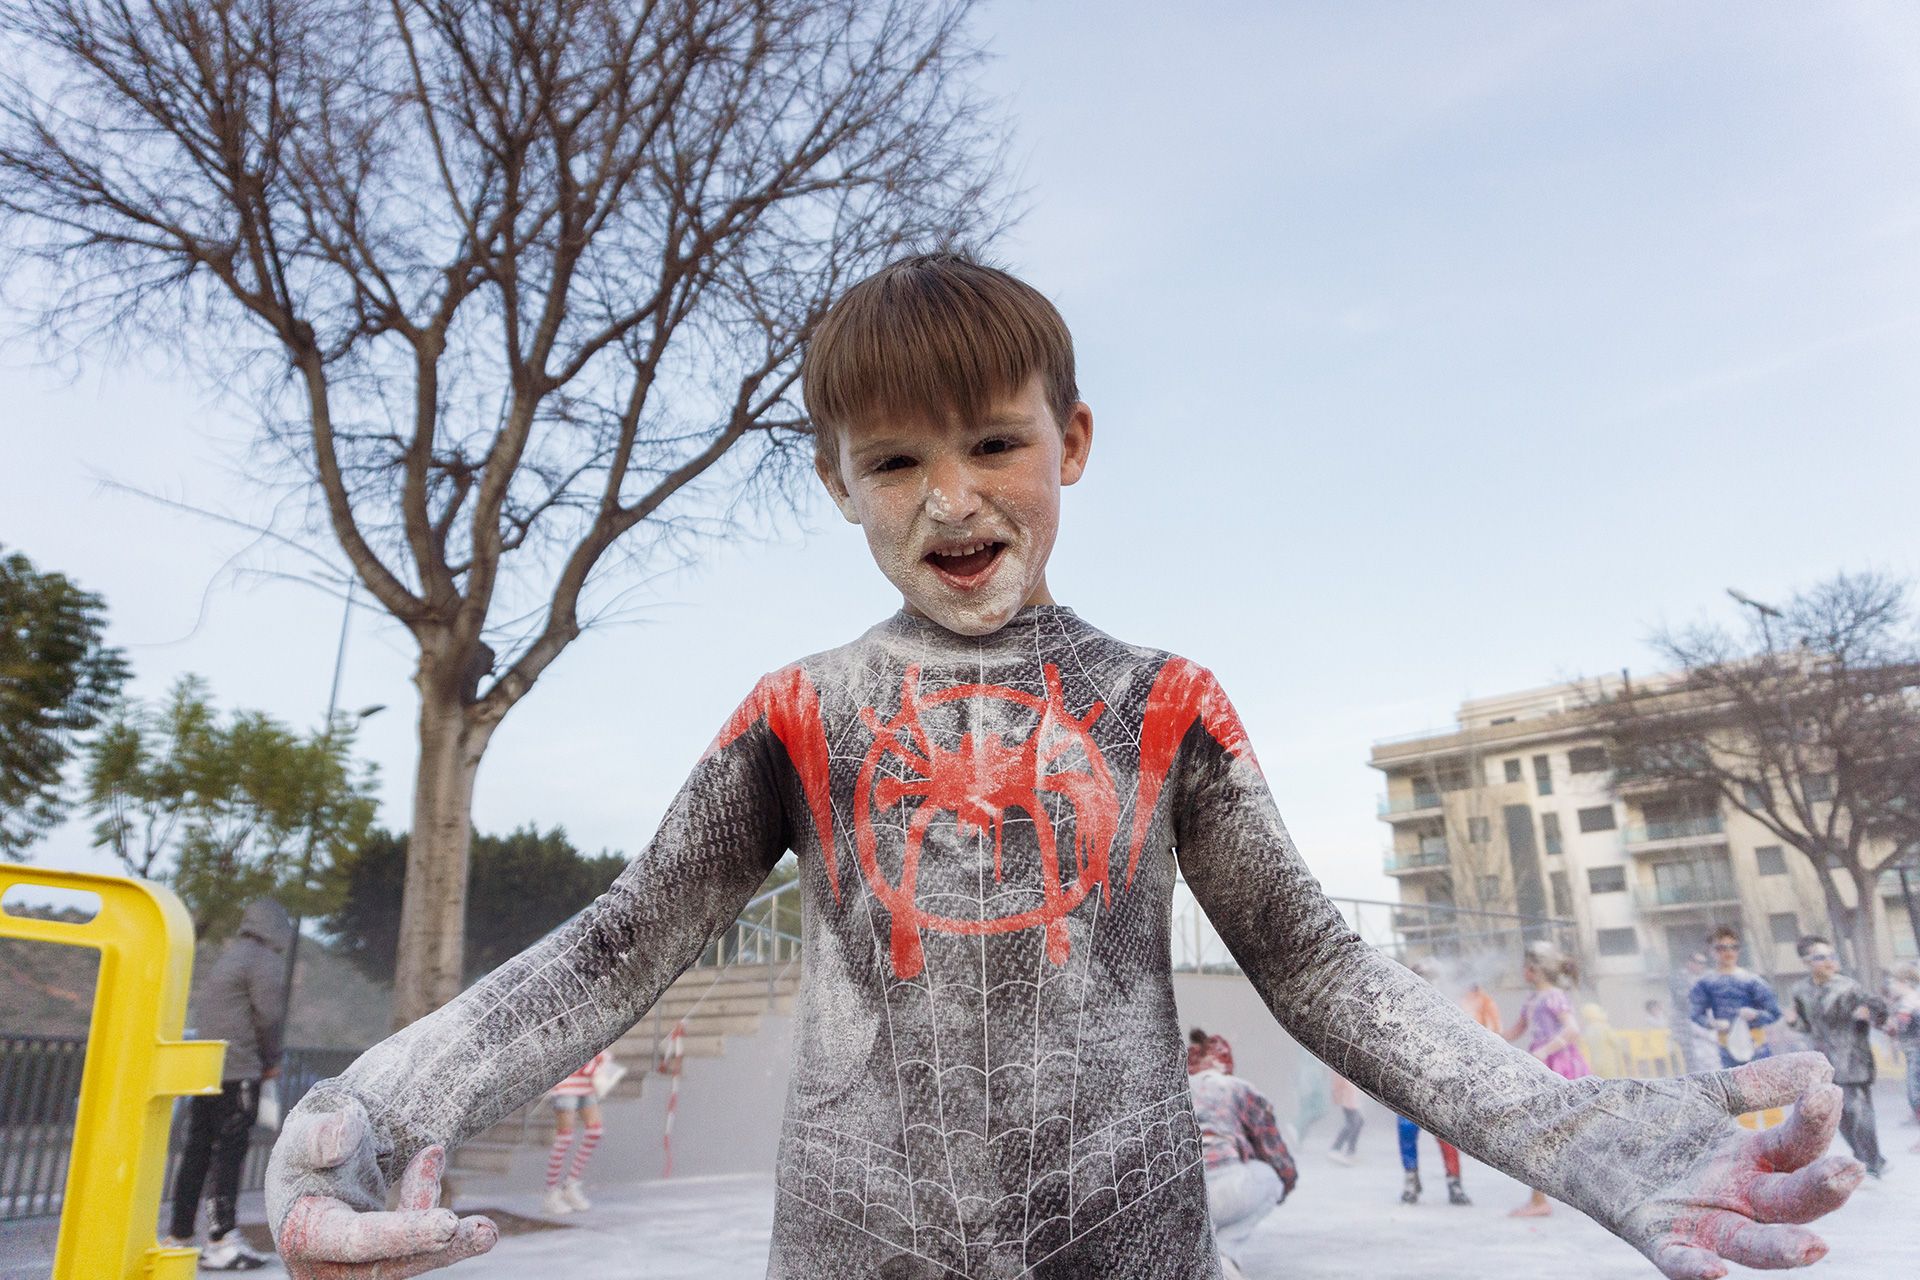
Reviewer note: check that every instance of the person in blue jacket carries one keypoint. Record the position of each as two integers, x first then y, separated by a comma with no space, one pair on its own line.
1731,995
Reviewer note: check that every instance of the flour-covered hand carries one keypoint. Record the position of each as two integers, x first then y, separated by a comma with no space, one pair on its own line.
1729,1194
323,1237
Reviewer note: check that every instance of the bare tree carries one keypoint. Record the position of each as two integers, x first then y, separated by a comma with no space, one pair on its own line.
514,280
1807,721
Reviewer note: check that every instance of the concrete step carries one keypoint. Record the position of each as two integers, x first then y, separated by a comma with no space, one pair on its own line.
635,1050
702,1021
675,1003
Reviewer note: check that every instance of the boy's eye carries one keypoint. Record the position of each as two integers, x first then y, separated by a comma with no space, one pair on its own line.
994,444
897,462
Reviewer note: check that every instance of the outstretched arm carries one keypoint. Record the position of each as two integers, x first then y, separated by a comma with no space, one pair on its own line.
525,1026
1658,1162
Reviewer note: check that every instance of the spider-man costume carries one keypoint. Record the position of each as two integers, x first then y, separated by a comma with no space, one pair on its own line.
988,1077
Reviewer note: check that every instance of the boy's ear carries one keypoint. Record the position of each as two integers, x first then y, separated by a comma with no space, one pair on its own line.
1076,442
836,488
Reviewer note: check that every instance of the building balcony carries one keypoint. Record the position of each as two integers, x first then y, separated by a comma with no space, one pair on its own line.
1665,835
1656,901
1422,804
1432,855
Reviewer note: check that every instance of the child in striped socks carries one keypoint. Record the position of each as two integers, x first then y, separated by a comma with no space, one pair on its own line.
575,1093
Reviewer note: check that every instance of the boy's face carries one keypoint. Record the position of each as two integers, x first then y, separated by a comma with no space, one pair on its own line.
961,518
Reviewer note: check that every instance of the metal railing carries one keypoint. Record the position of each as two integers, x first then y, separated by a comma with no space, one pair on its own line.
1391,805
767,931
40,1090
1420,929
1427,855
1678,829
1685,897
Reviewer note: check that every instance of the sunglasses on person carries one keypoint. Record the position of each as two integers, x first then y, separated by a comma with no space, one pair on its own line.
1815,957
1726,946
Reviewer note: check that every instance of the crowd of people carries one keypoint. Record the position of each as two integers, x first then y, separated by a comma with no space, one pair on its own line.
1733,1015
1724,1015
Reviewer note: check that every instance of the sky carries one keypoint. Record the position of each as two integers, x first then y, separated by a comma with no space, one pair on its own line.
1435,351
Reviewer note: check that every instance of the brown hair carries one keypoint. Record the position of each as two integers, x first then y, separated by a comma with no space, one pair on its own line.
929,337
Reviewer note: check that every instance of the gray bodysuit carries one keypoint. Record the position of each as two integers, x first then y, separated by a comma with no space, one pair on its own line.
988,1077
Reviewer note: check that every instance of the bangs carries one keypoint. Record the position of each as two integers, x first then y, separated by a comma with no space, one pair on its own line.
933,338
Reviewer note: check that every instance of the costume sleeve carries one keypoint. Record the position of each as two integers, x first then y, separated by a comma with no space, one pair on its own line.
538,1017
1262,1132
1376,1022
1698,1006
1760,996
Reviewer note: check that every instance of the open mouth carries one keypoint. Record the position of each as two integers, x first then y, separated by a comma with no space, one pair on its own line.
965,563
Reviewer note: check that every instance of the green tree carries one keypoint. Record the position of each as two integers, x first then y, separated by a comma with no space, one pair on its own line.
57,679
523,884
227,809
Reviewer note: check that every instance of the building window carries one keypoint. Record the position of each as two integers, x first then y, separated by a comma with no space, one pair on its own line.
1771,860
1785,927
1606,880
1479,830
1489,889
1550,832
1617,942
1599,818
1587,760
1695,880
1819,787
1542,776
1513,771
1562,894
1754,795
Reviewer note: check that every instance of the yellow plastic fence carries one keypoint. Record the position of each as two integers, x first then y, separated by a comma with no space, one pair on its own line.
1641,1052
136,1065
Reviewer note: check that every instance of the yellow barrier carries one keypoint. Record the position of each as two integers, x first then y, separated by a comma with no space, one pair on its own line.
1645,1053
136,1065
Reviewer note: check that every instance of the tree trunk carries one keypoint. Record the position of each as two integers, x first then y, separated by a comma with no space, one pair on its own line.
1838,927
432,944
1865,936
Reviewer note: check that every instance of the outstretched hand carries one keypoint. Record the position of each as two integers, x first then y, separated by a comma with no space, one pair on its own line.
322,1238
1743,1198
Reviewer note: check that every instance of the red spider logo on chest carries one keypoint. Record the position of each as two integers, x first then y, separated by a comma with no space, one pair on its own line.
980,781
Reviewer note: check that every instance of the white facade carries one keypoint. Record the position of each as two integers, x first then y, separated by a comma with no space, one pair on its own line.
1517,810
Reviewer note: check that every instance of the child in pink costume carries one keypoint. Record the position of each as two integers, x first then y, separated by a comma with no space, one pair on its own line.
1553,1033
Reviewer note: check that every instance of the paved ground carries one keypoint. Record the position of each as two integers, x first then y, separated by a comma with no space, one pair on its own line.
1342,1222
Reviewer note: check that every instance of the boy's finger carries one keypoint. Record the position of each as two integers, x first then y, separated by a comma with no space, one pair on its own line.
1679,1261
1764,1246
324,1141
1769,1082
420,1184
1805,1194
1805,1136
473,1236
318,1229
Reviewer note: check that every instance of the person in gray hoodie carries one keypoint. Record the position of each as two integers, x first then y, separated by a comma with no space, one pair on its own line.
242,1000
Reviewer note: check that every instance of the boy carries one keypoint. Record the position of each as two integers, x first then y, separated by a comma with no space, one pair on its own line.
1732,995
1836,1013
986,794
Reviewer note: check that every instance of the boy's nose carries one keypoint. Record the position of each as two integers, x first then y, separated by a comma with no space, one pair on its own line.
952,497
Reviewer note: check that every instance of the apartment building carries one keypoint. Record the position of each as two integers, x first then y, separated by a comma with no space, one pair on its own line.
1517,809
